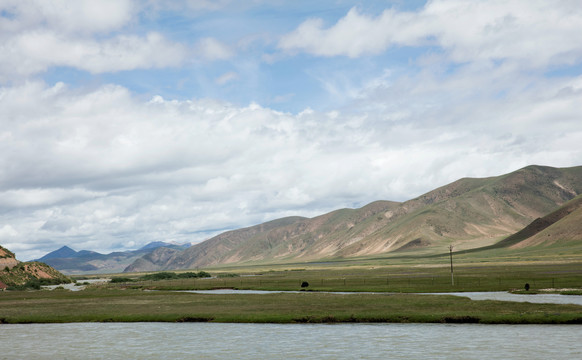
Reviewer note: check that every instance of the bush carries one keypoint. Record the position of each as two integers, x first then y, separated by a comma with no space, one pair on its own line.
229,275
188,275
29,285
203,274
166,275
160,276
191,275
118,280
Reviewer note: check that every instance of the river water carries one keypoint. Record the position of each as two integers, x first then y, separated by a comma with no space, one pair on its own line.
302,341
488,295
533,298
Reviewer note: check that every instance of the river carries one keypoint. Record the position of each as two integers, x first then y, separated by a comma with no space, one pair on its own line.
484,295
274,341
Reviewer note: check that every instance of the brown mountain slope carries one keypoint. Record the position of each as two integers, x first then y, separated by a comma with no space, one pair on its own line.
561,226
474,212
151,261
469,212
280,239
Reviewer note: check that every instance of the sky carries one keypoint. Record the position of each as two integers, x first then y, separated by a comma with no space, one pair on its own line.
125,122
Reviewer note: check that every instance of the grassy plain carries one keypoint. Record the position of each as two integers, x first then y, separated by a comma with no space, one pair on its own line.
398,283
486,270
309,307
394,278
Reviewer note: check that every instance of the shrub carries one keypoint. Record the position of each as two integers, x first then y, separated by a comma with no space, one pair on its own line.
160,276
166,275
191,275
188,275
203,274
229,275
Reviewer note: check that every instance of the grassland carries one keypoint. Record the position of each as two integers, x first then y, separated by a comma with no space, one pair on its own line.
308,307
394,279
396,297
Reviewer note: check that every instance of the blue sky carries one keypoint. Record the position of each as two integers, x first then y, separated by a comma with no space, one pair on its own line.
125,122
286,83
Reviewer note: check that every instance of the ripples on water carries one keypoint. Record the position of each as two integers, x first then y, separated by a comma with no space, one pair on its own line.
274,341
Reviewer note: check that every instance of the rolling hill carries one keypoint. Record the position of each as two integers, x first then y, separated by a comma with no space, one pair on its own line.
15,273
559,227
470,212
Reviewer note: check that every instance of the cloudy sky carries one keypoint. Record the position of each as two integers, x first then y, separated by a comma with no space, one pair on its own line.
124,122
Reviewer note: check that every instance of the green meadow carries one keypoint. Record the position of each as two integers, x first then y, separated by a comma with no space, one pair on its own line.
115,305
393,279
381,292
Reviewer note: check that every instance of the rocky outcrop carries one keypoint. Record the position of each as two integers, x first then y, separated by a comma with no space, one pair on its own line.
16,273
7,259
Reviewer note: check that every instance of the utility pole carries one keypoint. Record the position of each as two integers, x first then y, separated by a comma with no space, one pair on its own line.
451,253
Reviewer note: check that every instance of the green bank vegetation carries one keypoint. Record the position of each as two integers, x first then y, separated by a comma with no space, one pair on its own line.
162,275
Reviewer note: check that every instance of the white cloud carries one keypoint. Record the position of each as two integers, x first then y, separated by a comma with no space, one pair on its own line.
42,50
227,77
21,198
467,31
67,16
191,7
7,232
39,35
212,49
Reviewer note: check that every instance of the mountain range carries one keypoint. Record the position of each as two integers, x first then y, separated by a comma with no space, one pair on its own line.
532,206
70,261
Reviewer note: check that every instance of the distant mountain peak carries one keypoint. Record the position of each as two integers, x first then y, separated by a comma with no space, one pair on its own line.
63,252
